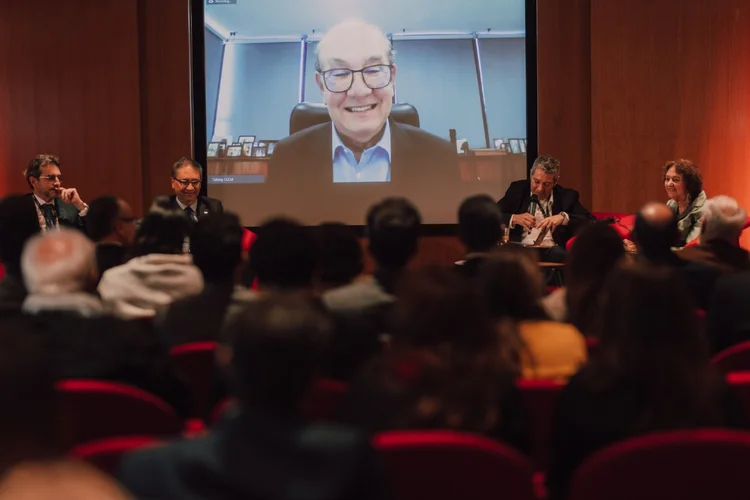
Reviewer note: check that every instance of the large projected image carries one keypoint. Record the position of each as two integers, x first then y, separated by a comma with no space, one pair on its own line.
318,109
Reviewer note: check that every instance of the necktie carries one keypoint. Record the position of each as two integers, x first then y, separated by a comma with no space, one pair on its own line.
190,214
50,215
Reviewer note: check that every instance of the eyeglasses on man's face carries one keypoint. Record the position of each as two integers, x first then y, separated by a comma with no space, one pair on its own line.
375,77
187,182
52,178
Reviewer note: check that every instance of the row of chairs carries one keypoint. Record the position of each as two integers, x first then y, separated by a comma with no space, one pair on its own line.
442,465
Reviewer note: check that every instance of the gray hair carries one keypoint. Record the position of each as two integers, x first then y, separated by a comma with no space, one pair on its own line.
547,164
723,218
58,262
360,27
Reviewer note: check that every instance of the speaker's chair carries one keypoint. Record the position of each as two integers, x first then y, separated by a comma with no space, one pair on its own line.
307,114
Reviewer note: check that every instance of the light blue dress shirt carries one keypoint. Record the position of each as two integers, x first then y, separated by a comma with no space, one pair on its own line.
374,164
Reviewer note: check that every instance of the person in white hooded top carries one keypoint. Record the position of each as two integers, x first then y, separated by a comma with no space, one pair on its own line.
158,274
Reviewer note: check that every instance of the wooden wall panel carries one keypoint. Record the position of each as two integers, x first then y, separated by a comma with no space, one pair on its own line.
69,86
165,90
670,79
564,89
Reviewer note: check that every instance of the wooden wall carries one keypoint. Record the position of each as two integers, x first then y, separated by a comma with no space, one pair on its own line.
623,87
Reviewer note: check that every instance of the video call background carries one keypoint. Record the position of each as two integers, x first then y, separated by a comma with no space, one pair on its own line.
252,84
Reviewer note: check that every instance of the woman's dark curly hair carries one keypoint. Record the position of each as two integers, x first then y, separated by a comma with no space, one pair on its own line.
690,173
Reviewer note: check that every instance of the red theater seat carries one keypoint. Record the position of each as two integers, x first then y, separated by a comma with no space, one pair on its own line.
740,384
539,400
734,359
95,409
689,465
195,361
443,465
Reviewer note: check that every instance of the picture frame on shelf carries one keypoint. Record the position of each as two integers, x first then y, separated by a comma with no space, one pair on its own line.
222,148
234,151
226,139
515,146
213,149
270,147
522,142
246,138
260,150
247,149
498,143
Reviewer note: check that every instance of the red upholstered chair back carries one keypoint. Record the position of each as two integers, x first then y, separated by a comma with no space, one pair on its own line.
740,384
195,361
447,465
734,359
323,400
689,465
94,409
2,271
107,453
539,400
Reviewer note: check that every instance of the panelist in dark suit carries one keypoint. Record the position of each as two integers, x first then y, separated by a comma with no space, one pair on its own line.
54,205
187,175
557,216
355,72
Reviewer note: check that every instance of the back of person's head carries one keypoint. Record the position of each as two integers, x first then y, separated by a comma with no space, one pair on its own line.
597,251
393,227
340,258
103,218
278,344
18,223
283,255
479,223
216,245
655,230
29,422
439,308
162,231
57,262
723,219
511,284
60,480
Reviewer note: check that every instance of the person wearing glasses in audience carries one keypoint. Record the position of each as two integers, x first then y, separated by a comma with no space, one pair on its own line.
187,175
55,205
355,72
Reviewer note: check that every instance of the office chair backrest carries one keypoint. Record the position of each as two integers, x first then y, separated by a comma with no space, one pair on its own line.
307,114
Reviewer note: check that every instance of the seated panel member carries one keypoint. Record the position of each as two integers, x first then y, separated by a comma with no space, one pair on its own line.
187,175
55,205
558,215
355,72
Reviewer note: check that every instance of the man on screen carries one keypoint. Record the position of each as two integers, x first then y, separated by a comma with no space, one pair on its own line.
355,72
541,213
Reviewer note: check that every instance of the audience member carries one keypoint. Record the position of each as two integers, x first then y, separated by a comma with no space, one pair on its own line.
597,251
187,176
362,309
265,450
340,258
17,225
652,373
480,230
684,186
53,204
216,246
655,233
444,369
557,216
60,271
728,318
59,480
511,284
158,273
111,225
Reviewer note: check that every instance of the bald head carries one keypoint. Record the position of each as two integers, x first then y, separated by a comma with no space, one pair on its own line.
59,481
58,262
656,214
655,230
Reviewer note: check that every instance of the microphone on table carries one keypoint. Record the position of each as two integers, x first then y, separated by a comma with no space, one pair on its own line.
533,204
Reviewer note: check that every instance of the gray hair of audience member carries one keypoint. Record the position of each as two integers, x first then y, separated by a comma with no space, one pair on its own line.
355,28
61,261
723,218
547,164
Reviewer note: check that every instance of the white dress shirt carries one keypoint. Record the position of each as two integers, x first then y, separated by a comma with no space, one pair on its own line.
543,210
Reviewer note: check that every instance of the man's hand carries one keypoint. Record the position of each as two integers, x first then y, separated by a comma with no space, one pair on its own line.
526,220
629,246
551,223
70,195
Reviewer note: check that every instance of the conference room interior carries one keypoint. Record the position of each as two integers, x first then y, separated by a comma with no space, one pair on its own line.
620,89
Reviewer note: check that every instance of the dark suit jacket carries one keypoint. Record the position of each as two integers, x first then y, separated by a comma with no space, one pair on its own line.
198,318
109,255
417,158
258,456
67,214
206,205
518,197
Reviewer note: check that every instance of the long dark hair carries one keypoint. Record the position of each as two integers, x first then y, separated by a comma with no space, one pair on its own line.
651,342
596,252
162,231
